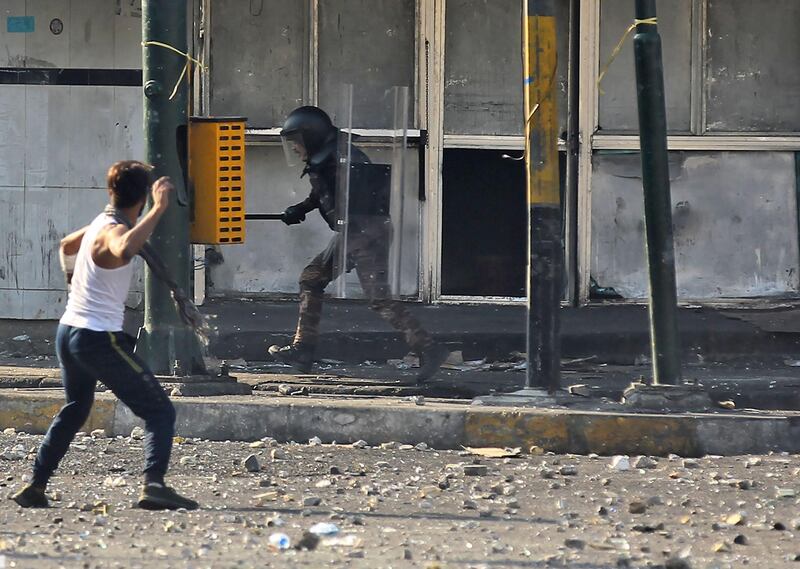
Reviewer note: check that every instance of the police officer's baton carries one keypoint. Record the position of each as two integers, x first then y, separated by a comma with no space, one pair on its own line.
268,216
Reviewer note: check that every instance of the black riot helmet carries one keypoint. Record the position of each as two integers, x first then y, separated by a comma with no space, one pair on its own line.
305,132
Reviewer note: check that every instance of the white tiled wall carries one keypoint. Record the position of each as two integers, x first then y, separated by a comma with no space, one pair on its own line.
56,142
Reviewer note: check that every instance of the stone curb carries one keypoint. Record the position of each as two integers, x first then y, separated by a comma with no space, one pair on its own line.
440,425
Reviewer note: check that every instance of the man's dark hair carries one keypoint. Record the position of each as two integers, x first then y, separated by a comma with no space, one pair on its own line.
129,181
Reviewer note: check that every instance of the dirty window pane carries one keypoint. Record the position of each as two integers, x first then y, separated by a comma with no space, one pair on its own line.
369,44
618,110
483,66
258,53
753,77
734,216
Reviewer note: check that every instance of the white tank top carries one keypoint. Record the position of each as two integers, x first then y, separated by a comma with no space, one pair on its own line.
97,296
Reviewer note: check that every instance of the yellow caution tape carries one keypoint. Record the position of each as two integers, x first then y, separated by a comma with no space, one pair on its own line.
615,53
189,61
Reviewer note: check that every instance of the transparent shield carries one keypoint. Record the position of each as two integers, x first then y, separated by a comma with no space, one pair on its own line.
344,148
377,246
294,148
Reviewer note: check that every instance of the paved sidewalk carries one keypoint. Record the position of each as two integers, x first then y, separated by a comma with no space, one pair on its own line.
350,332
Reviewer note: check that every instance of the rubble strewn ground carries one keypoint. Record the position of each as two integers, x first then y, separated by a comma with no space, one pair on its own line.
402,506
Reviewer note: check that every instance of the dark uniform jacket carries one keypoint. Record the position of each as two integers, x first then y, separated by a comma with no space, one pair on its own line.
322,172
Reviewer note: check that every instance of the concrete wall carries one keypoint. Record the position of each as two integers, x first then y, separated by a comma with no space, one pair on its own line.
735,218
57,141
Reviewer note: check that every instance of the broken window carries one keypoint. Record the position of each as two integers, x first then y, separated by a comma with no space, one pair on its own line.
484,224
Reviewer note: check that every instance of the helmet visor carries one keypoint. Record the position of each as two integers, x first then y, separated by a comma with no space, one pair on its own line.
294,148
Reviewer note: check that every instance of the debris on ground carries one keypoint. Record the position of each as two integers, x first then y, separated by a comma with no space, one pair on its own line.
493,452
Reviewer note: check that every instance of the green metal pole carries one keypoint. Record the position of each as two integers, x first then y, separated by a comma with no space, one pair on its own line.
165,341
664,337
545,251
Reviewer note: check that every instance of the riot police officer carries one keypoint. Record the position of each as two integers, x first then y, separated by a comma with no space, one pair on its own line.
309,134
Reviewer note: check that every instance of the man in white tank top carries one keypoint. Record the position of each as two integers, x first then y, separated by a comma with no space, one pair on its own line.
92,347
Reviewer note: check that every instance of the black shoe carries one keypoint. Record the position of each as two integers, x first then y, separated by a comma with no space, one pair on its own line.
301,359
158,497
430,362
31,497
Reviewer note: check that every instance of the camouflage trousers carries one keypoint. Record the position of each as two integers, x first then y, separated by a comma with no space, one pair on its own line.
369,256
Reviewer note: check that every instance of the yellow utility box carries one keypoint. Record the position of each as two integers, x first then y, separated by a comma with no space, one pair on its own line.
216,169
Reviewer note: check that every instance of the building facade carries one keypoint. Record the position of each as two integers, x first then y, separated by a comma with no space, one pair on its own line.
731,85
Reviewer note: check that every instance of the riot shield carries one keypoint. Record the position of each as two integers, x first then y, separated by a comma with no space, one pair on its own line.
377,206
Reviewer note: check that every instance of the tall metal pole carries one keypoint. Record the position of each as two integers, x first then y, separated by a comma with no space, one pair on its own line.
664,337
165,341
545,251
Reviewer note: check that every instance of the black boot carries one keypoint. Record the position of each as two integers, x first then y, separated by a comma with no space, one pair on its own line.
299,357
160,497
31,497
430,361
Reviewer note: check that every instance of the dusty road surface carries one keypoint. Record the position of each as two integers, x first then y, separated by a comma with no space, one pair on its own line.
402,507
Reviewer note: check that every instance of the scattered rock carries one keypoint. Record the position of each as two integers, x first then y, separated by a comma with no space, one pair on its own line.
314,442
308,542
654,501
740,539
786,492
476,470
577,544
251,463
115,482
738,519
360,444
324,529
722,547
278,454
677,563
311,501
568,470
644,462
620,463
637,507
137,433
691,463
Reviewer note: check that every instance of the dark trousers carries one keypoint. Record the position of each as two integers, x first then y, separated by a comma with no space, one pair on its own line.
87,357
368,254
